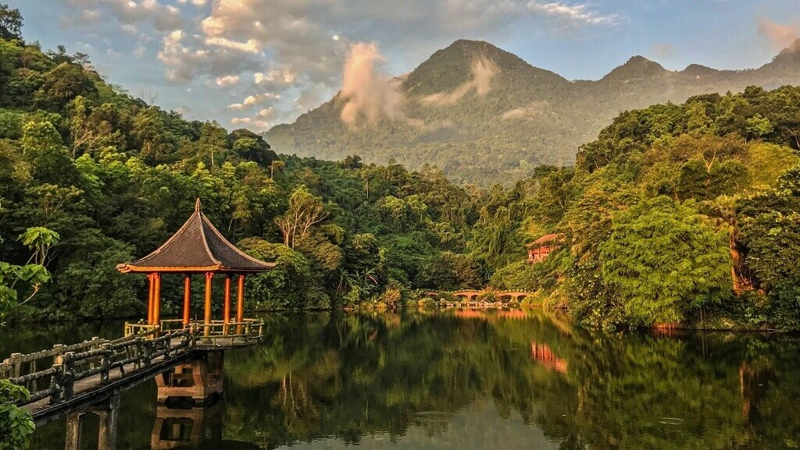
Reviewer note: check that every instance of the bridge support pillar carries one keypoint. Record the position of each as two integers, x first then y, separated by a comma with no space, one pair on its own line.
74,429
108,419
107,413
199,379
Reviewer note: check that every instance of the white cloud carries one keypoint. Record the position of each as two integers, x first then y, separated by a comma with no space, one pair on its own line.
251,46
284,76
228,80
159,15
572,15
254,100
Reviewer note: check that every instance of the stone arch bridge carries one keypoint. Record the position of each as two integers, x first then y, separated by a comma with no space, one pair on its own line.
473,296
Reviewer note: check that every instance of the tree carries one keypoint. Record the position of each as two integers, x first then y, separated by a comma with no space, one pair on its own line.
280,287
252,147
275,166
305,211
213,140
16,424
665,261
33,273
10,23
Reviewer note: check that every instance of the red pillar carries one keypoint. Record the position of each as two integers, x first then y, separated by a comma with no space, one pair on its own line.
240,304
150,294
187,299
227,308
207,319
157,300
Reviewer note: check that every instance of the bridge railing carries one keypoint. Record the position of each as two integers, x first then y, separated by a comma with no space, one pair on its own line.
19,364
71,367
219,333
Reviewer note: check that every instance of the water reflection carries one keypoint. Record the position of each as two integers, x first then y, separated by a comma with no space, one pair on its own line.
480,380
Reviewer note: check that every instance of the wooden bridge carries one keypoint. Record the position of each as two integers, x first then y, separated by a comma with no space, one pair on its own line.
70,378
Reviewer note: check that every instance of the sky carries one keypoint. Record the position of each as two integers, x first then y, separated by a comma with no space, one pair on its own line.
256,63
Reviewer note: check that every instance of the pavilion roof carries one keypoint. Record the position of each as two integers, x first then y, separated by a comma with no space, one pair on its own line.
197,247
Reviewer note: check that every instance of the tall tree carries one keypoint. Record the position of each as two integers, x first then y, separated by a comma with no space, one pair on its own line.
10,23
305,211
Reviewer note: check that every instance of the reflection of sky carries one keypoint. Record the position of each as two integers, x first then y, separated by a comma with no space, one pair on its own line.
480,426
212,50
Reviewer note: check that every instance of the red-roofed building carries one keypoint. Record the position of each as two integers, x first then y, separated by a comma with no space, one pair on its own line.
539,249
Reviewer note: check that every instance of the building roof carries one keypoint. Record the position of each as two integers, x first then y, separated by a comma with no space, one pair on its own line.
197,247
546,239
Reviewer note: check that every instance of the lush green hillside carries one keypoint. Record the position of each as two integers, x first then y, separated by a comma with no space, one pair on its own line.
674,214
526,117
114,177
684,214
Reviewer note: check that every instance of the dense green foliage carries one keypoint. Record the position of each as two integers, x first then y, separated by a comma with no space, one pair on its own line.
677,214
114,177
16,425
524,118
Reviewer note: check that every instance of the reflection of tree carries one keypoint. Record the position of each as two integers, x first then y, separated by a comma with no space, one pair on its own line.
356,375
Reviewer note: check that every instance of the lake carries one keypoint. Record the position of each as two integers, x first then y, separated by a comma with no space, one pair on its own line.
470,380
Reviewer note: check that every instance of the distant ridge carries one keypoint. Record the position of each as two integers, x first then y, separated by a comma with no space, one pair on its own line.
523,116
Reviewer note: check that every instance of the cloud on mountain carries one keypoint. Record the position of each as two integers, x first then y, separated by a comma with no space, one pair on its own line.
780,36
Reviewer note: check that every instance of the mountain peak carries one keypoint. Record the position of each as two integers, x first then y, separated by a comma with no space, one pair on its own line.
636,67
451,67
791,52
788,60
699,71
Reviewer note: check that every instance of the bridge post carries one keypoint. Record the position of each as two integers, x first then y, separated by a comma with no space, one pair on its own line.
106,363
67,381
16,364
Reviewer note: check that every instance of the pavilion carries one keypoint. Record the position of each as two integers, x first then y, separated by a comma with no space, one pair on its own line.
197,248
541,248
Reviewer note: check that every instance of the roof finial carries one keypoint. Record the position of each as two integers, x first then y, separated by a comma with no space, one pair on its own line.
197,205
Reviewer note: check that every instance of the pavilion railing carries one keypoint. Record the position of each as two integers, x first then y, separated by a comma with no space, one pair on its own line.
217,333
127,355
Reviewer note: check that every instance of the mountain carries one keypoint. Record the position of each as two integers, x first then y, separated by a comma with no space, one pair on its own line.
484,115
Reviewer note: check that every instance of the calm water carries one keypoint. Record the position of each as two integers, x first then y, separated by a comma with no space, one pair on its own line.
471,381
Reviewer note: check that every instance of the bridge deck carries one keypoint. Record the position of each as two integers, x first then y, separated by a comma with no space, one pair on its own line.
92,390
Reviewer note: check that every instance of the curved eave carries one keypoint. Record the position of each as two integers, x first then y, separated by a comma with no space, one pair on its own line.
127,268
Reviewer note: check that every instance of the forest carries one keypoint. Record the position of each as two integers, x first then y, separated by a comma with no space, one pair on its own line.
677,215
